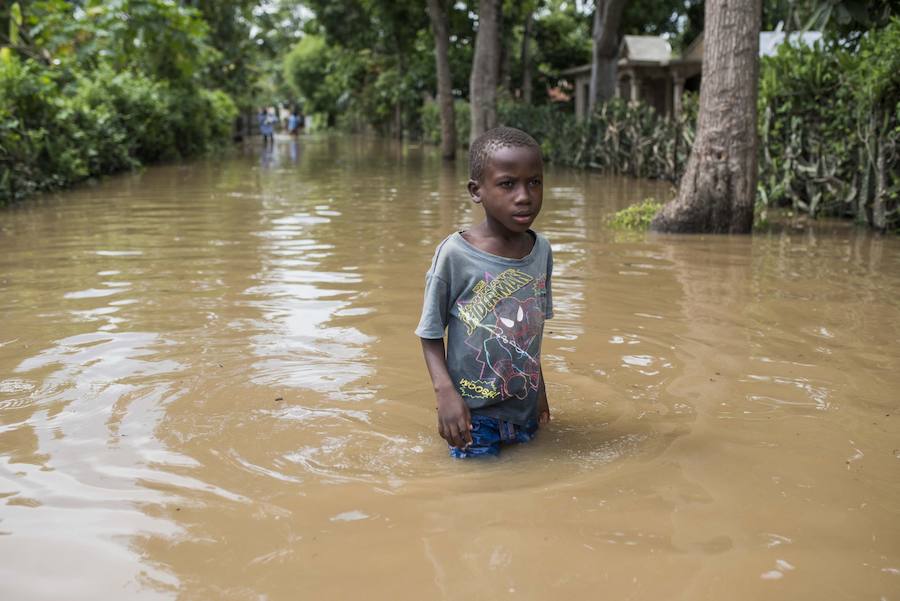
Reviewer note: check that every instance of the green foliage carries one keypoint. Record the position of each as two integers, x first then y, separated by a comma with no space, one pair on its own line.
55,131
431,121
15,23
652,17
845,20
829,120
200,119
563,38
233,64
830,126
374,60
620,137
637,216
95,87
163,39
311,68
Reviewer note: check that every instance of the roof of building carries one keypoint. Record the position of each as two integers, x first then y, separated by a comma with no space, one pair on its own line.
635,49
575,71
645,48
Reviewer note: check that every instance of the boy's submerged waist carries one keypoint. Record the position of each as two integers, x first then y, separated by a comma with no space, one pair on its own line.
512,413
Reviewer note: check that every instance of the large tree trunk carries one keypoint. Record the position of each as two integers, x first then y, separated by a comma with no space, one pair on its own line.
526,57
485,69
441,29
605,51
718,189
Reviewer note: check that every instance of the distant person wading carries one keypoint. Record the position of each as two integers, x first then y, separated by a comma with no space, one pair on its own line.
266,126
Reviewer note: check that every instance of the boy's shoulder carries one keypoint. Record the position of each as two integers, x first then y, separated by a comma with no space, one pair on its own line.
455,255
541,239
455,245
447,251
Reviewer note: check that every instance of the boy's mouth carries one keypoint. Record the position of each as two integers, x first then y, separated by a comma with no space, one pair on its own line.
523,217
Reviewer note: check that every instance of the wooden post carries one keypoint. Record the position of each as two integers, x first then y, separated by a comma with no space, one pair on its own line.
580,104
667,96
635,90
677,93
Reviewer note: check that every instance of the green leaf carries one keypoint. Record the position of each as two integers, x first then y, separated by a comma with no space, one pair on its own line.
15,23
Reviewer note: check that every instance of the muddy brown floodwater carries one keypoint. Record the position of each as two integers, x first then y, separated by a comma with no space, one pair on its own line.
210,389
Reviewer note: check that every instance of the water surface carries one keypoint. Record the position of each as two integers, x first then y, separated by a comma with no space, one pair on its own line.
210,389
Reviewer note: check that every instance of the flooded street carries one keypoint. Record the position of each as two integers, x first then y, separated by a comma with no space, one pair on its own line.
210,389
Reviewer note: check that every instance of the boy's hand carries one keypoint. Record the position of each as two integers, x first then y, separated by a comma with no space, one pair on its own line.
454,421
543,410
543,404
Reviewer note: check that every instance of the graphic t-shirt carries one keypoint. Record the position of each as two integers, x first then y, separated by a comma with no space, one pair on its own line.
493,309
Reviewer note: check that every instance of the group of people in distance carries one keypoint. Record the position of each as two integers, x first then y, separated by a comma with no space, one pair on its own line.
267,122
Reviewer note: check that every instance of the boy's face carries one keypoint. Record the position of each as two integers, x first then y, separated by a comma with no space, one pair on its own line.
511,189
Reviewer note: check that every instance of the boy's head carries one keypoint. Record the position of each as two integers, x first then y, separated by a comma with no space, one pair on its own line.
483,148
506,177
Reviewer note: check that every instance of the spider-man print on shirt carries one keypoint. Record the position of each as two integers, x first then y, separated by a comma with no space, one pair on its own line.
508,352
505,316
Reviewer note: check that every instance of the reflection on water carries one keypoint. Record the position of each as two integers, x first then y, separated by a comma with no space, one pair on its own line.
210,389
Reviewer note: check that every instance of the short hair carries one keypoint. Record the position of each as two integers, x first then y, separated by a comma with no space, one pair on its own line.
485,145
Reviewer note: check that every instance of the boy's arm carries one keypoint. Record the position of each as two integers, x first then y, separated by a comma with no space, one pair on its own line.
454,421
543,403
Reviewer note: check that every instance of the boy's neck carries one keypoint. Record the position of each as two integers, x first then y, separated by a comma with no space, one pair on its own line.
504,243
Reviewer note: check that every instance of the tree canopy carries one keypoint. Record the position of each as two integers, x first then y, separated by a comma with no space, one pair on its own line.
72,67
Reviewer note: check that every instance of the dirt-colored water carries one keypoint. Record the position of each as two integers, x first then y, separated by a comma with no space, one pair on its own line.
210,389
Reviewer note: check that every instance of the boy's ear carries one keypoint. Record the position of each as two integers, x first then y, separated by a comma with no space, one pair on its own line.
474,191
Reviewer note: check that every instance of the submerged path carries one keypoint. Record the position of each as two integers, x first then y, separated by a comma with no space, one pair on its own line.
210,389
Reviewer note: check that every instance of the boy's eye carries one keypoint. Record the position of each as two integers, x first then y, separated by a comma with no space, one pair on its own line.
506,184
536,182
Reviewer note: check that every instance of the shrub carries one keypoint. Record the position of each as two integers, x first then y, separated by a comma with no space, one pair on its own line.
57,129
198,119
637,216
431,122
830,126
33,118
619,137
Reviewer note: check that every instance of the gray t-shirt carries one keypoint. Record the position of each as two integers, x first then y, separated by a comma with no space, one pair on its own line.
493,309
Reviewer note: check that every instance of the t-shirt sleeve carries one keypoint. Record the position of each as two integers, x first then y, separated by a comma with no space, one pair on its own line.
435,309
548,300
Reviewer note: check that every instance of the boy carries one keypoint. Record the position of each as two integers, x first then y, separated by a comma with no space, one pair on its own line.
489,286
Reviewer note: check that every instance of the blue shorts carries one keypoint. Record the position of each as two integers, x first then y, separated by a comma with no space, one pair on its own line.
489,432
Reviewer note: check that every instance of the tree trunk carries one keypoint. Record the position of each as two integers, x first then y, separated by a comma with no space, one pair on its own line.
718,189
504,78
526,57
441,29
604,51
862,197
485,69
879,205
